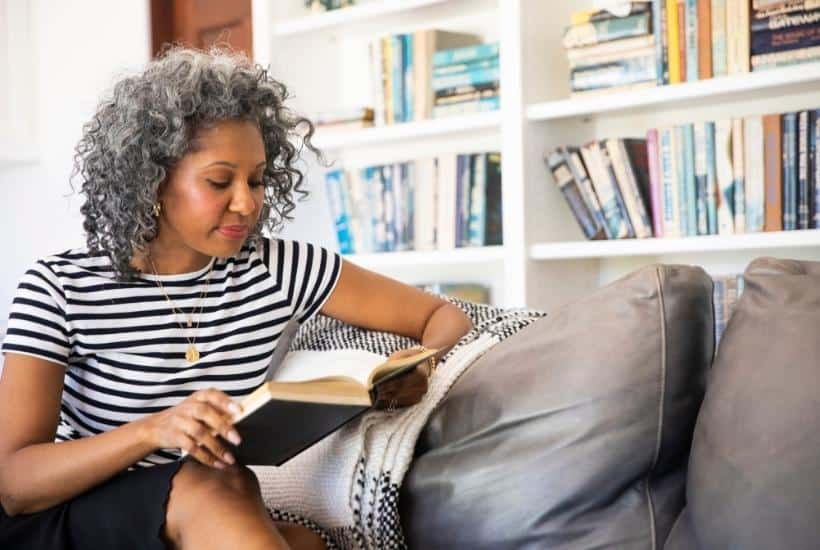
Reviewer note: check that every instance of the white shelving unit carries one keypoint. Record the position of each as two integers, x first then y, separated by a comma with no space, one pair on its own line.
545,261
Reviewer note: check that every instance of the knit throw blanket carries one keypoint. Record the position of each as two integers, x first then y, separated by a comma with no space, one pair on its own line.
346,487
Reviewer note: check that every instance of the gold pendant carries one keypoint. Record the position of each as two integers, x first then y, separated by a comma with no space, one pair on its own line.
192,355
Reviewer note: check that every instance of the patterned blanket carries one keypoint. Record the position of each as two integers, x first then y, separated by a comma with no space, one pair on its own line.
346,487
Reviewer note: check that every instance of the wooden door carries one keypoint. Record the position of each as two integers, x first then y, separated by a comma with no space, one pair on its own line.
201,23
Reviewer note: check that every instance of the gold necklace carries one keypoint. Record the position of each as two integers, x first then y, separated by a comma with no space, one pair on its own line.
191,354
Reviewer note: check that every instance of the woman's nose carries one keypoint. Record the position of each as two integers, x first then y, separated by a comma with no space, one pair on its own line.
243,201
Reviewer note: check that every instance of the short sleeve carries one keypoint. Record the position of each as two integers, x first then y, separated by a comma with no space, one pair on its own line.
37,323
308,274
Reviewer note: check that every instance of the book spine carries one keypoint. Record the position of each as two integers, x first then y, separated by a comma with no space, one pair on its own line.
389,84
377,82
655,183
348,206
754,173
472,66
407,49
465,54
673,42
737,29
789,149
626,71
803,177
467,107
494,229
606,30
591,154
333,184
468,96
397,77
815,168
581,175
609,170
556,162
739,175
719,38
725,177
626,172
692,51
424,211
772,161
711,179
689,186
705,39
477,201
469,78
659,30
764,42
612,55
785,21
784,58
700,178
682,40
669,183
585,16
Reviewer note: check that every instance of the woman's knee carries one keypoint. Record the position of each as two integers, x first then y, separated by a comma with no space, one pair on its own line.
197,479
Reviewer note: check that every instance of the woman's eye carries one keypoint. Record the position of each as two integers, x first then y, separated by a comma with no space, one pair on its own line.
258,183
220,184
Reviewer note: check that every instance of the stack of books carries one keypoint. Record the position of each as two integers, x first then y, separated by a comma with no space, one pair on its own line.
726,292
466,80
401,70
611,50
319,6
784,32
744,175
446,202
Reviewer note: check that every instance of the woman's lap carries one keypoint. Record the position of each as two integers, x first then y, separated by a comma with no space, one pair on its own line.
126,512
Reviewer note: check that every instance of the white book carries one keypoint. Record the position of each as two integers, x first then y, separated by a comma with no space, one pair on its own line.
446,203
424,213
738,169
725,177
670,186
754,173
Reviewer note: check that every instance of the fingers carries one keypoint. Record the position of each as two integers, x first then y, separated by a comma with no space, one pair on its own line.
404,391
218,399
203,445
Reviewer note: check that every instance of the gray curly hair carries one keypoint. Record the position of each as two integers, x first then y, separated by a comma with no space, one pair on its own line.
147,124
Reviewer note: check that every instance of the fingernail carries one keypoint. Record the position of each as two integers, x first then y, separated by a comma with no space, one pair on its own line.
229,458
218,464
233,437
235,408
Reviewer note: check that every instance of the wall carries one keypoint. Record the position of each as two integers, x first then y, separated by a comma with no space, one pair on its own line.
79,49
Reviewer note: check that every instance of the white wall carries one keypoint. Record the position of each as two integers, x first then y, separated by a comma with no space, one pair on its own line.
81,47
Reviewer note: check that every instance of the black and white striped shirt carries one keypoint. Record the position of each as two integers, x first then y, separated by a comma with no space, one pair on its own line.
123,345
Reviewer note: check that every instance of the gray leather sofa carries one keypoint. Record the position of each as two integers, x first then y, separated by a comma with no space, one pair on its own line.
607,425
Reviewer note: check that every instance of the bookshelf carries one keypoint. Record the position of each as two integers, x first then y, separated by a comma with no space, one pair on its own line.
544,261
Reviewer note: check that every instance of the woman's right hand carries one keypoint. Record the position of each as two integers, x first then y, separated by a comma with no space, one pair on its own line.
195,425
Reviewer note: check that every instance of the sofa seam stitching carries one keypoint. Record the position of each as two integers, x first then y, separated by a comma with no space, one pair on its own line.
661,400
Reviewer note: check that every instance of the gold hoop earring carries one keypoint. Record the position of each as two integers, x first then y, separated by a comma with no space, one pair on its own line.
156,209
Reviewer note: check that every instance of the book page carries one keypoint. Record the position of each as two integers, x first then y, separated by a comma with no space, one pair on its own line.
308,364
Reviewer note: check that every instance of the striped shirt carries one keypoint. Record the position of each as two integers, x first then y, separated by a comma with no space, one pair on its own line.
123,345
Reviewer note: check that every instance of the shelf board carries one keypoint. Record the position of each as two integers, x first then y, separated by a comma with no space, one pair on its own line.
432,258
338,139
658,247
714,87
344,16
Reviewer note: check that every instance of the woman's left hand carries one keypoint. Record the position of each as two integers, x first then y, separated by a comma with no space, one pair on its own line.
405,390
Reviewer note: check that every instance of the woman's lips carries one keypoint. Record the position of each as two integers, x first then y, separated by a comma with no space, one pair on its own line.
234,231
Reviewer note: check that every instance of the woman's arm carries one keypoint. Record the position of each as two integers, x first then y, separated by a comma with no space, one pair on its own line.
371,301
36,473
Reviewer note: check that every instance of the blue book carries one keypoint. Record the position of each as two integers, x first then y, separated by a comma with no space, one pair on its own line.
490,63
803,176
334,180
661,50
691,40
397,67
689,184
407,51
700,179
465,54
789,171
711,178
814,140
468,78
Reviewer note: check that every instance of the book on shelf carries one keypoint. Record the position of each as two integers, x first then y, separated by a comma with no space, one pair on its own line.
784,34
740,175
725,294
471,292
345,119
445,202
466,80
320,6
323,390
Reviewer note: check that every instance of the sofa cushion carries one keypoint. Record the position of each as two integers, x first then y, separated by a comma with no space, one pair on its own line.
575,432
754,478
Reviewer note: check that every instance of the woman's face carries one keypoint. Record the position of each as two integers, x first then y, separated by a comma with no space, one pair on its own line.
214,194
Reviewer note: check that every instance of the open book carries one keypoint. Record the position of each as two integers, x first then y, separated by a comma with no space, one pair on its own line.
304,403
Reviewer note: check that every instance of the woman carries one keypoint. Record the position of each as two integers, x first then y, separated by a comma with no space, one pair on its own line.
121,354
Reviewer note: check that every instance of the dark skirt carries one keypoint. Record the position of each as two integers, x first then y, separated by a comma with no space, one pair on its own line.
126,512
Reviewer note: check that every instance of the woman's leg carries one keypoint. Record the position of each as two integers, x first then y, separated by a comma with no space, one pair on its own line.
210,508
